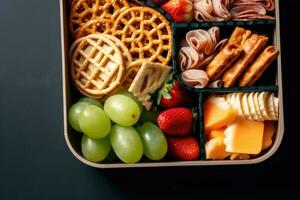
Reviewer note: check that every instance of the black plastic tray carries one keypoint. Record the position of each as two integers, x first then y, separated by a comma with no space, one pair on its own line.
270,81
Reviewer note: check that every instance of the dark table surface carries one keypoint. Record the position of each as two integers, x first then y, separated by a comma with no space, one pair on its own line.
36,164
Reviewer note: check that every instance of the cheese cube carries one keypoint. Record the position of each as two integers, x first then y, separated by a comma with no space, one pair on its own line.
219,133
244,136
217,113
215,149
269,131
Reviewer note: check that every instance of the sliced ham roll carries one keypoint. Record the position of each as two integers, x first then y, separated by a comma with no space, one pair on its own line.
247,11
198,39
203,41
267,4
251,9
189,58
222,10
196,78
199,48
211,10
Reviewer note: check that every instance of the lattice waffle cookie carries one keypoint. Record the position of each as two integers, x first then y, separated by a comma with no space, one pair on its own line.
94,26
146,33
125,52
105,11
97,64
148,79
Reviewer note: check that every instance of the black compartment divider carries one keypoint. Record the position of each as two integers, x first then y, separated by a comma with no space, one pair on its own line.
194,25
156,7
201,97
174,56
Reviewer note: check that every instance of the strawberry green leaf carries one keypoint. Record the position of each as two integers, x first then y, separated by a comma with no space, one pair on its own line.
167,95
164,91
158,98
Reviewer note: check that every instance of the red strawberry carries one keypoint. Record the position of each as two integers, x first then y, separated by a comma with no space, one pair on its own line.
186,148
180,10
172,95
158,2
176,121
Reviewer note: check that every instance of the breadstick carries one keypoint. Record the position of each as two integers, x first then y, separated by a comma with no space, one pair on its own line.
223,60
239,36
255,71
252,47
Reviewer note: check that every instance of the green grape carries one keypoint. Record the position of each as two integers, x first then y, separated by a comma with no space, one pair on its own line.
91,101
95,150
130,95
148,116
122,110
74,113
94,122
154,141
126,143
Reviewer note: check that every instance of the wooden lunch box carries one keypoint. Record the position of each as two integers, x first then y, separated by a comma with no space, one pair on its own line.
271,81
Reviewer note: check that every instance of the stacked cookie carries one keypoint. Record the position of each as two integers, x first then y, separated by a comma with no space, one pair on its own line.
118,45
90,16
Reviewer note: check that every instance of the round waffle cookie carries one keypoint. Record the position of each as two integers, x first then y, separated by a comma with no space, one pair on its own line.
97,65
146,33
125,52
83,11
127,62
94,26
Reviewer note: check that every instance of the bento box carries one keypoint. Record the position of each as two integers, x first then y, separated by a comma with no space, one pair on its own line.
271,81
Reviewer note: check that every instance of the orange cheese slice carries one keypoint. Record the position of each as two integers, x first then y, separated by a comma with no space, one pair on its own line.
244,136
217,113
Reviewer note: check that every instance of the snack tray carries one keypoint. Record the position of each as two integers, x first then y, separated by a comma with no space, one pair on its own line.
271,81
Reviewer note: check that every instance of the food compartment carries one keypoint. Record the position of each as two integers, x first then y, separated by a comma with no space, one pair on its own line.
240,125
112,160
263,28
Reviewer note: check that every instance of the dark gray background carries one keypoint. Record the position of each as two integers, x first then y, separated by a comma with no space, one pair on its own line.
35,162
